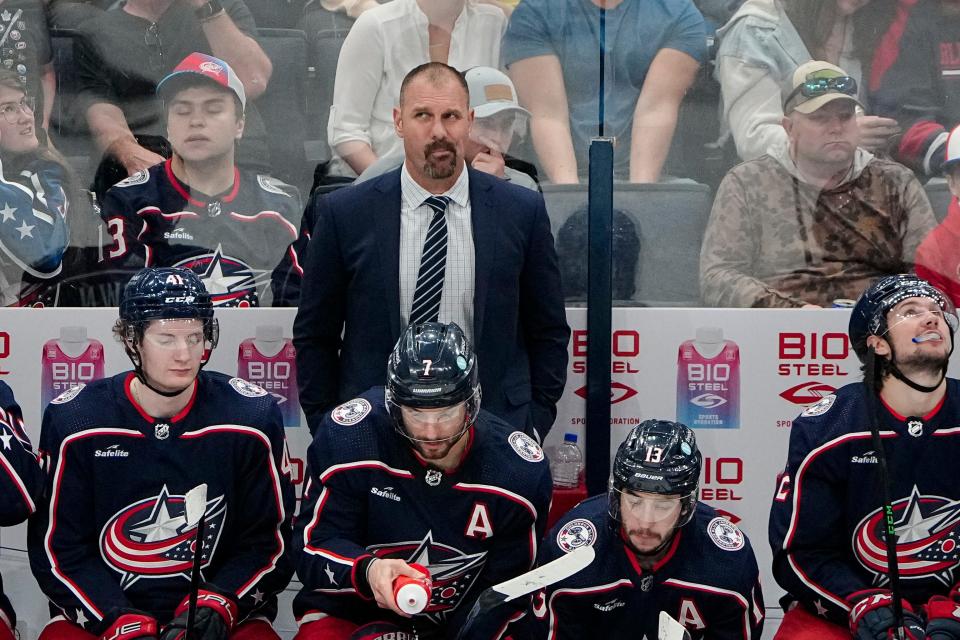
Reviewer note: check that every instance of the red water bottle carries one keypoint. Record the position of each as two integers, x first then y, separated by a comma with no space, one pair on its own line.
412,595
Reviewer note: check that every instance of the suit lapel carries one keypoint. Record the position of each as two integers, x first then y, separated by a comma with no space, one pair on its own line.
484,218
387,231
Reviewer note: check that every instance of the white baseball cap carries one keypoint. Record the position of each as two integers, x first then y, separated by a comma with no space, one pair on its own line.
952,148
491,92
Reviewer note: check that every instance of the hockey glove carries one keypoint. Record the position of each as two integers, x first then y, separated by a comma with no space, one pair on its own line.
215,618
871,617
129,625
943,617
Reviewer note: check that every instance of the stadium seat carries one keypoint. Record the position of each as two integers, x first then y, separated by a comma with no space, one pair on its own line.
68,127
282,106
939,195
276,14
326,32
670,220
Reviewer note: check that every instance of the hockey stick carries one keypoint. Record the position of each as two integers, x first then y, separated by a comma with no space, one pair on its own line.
550,573
196,508
670,629
890,540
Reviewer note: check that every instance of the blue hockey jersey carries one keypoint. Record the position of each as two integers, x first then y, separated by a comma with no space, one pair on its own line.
115,535
21,478
826,524
369,494
708,581
243,243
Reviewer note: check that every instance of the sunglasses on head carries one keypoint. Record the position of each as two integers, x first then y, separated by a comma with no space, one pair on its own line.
813,87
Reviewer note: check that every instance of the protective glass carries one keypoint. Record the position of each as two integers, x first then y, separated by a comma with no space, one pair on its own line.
446,420
175,334
650,508
500,126
11,110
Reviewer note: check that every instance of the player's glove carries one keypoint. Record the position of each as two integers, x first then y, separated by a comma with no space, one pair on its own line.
128,625
871,617
215,618
943,617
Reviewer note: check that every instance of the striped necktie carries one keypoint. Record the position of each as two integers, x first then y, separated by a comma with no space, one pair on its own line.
433,263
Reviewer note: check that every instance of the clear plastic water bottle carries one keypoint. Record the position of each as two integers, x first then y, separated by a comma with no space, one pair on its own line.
567,463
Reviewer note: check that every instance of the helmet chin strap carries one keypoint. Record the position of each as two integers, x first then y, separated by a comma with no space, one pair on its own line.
916,386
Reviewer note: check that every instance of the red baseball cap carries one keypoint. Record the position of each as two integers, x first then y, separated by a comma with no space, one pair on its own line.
205,66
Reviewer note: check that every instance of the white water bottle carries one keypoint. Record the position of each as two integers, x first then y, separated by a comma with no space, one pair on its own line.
567,463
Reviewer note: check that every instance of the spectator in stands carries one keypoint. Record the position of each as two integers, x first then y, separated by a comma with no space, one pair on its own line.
916,79
938,258
384,44
497,120
354,8
818,220
123,53
234,227
625,243
34,183
766,40
654,49
25,50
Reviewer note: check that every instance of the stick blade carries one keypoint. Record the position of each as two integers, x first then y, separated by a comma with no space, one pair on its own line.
550,573
196,504
670,629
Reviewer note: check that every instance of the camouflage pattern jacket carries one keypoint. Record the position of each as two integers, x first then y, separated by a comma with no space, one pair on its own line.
774,240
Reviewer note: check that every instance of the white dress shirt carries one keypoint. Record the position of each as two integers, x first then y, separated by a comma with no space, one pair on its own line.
456,301
383,45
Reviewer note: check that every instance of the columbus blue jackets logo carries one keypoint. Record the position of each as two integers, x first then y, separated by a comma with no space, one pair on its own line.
452,572
151,539
928,545
230,281
351,412
525,446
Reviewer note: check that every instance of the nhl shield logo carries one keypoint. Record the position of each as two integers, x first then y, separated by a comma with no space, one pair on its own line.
151,538
351,412
915,428
433,477
161,431
575,534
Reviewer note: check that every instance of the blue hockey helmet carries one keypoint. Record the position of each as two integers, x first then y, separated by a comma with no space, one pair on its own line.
869,316
657,456
163,293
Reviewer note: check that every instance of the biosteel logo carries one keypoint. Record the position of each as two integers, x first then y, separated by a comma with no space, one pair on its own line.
807,392
624,350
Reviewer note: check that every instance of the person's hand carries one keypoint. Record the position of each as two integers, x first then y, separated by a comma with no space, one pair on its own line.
943,617
133,157
380,576
871,617
489,159
875,131
215,617
130,625
810,305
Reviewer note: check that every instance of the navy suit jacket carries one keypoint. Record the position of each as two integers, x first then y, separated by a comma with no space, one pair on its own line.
349,315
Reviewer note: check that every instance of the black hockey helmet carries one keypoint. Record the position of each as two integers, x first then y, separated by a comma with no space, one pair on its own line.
869,316
658,456
432,366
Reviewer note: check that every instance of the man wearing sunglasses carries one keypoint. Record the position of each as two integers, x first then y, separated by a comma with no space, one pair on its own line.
114,552
817,220
828,521
657,549
416,477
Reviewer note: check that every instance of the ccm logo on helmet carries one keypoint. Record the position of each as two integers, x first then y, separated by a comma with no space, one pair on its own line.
187,299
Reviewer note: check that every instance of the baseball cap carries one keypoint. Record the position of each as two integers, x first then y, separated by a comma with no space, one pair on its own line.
204,66
952,149
491,92
815,83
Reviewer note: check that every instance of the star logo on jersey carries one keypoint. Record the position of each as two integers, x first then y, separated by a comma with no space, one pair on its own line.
230,281
151,538
928,545
452,572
